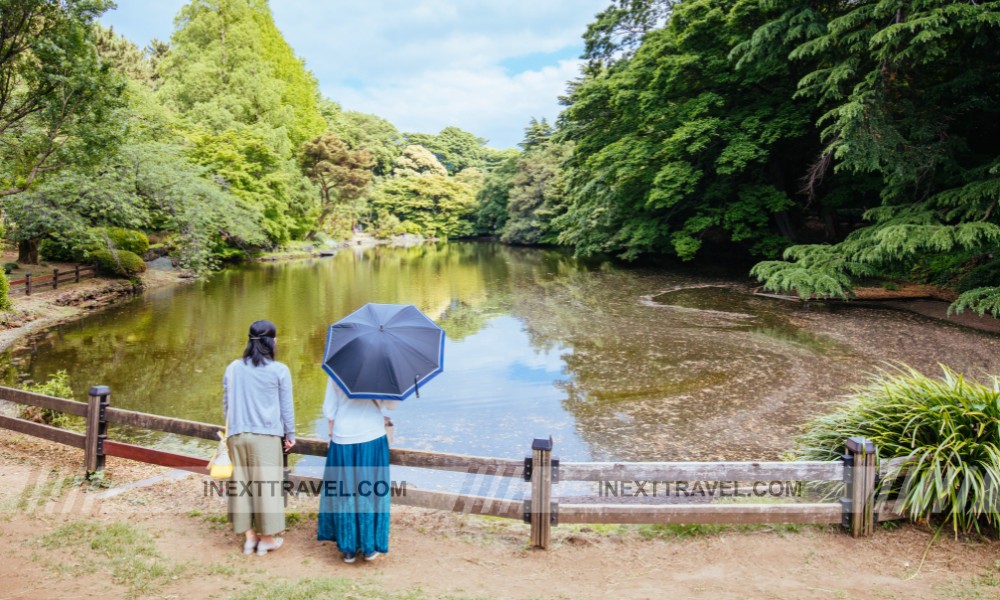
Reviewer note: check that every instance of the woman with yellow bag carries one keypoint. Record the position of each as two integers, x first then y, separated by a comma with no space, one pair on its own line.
257,403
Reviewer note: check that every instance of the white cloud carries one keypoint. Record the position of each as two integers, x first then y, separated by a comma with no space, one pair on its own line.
488,102
423,64
427,64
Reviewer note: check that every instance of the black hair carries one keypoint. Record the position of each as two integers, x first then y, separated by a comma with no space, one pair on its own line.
260,343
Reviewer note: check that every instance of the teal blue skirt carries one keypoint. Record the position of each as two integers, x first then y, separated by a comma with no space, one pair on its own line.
354,502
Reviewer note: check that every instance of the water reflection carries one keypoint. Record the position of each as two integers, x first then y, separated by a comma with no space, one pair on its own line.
623,364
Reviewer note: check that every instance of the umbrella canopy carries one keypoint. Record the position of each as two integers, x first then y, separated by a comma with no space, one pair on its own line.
384,351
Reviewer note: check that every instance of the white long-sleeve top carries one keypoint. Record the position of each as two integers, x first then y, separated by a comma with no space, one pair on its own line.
355,420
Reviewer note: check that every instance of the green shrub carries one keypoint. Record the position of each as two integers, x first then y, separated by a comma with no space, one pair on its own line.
8,268
121,263
68,248
57,386
4,291
129,240
948,427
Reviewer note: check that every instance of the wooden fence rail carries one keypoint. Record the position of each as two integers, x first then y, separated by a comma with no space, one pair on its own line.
30,282
858,510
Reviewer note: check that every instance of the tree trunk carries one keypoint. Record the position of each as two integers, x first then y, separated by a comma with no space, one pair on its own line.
27,251
829,224
784,225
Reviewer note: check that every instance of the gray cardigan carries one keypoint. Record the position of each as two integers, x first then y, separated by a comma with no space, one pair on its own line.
258,399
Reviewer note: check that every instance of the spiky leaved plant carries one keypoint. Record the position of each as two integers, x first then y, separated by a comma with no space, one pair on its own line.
949,427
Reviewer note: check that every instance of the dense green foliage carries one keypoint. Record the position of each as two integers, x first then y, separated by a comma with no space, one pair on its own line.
949,428
249,104
57,386
4,292
120,263
520,200
432,205
847,139
675,145
58,100
908,93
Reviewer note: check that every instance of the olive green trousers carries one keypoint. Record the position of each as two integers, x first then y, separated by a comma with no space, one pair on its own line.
255,495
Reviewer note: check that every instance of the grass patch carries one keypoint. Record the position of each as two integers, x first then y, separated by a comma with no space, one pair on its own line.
985,586
328,587
126,550
35,495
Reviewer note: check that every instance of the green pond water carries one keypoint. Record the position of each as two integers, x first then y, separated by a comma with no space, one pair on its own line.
615,363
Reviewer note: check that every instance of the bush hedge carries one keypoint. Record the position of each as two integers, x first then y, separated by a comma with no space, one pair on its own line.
129,240
77,247
121,263
5,303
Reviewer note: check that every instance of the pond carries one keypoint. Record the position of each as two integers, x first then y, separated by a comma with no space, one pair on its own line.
615,363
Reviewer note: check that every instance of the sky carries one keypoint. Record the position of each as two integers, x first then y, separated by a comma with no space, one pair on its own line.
486,66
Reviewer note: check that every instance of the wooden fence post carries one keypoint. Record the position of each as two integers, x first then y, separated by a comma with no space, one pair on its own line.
76,271
55,279
860,471
97,428
27,284
541,492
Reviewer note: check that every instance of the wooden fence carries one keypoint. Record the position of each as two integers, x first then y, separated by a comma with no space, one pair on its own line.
856,511
30,283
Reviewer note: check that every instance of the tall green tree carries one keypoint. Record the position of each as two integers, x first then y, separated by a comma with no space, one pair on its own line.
676,146
59,101
537,195
249,104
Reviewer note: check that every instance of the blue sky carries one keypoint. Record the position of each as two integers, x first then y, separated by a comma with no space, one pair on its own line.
485,66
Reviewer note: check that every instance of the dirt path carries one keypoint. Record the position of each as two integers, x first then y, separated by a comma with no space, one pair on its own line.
169,540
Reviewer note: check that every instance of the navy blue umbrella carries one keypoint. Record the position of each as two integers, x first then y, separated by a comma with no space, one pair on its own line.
384,351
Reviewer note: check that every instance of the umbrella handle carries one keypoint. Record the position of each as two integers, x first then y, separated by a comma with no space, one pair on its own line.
416,385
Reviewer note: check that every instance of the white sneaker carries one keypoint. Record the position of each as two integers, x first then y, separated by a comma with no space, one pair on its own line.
263,547
249,546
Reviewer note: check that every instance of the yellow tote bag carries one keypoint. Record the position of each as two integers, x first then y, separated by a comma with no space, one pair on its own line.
221,467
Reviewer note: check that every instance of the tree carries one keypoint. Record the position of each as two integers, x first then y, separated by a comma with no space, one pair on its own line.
362,131
248,104
340,173
417,160
537,194
58,100
619,29
493,197
908,95
676,146
432,205
455,148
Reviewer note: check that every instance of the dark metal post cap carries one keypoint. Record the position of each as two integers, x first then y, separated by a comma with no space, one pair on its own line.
858,444
542,444
100,390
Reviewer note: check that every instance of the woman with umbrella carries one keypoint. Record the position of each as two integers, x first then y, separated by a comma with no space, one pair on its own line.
375,357
354,510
